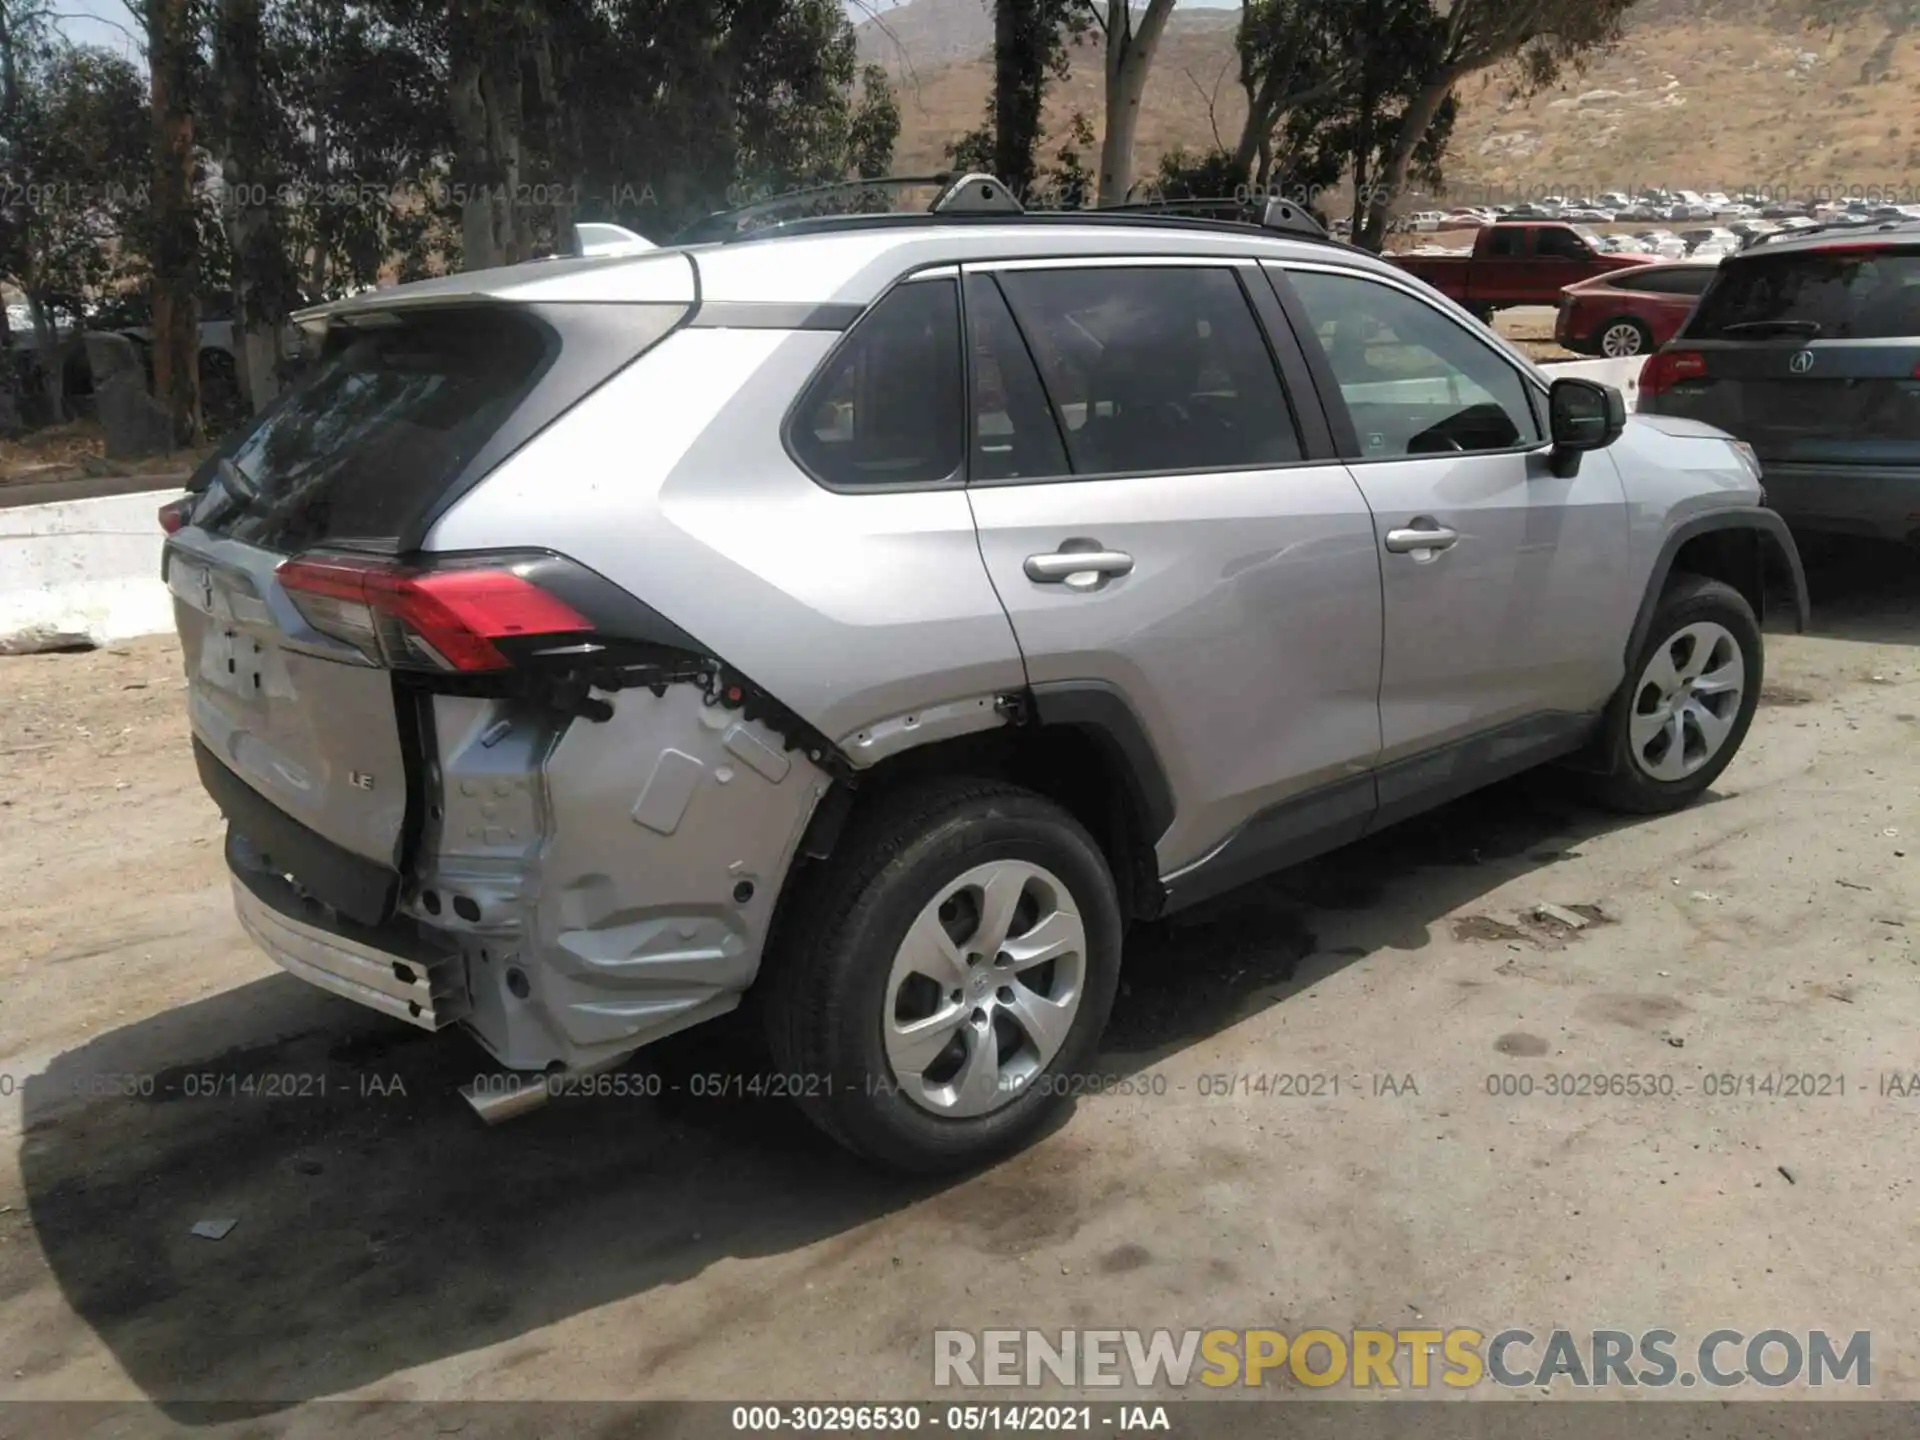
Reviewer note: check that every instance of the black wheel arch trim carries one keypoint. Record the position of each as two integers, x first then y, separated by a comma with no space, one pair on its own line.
1101,708
1771,527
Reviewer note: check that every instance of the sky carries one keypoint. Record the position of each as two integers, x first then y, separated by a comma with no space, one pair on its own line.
110,24
106,23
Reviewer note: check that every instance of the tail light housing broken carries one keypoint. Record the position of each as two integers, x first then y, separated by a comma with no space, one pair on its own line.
469,615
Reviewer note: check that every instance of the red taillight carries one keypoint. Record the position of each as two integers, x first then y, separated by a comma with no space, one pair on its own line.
174,514
433,619
1666,368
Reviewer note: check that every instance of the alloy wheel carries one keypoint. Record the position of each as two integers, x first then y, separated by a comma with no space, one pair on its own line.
984,988
1621,341
1687,701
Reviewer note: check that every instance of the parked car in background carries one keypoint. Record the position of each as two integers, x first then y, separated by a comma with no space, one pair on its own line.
1808,348
1631,312
1662,244
1517,263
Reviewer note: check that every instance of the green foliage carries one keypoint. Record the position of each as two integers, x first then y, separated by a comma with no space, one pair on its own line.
76,135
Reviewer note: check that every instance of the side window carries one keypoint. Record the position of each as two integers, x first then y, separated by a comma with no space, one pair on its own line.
1506,244
1415,383
887,409
1014,434
1560,245
1154,368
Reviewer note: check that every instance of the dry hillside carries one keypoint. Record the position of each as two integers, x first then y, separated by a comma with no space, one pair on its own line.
1706,94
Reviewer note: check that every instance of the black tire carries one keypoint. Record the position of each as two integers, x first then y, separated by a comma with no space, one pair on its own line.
1639,328
1688,600
825,988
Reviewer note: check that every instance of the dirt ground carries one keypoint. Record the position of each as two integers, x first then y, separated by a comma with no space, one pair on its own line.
389,1246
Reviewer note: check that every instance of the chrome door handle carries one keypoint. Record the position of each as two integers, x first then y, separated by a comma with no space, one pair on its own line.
1406,542
1078,569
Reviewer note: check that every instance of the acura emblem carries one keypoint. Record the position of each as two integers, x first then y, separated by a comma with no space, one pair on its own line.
1802,363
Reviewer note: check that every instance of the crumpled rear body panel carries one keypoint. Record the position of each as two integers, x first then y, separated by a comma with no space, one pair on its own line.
607,883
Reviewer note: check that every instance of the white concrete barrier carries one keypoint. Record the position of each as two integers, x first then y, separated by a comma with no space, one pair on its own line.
1623,375
83,569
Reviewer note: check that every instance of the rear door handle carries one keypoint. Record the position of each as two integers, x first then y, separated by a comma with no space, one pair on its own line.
1413,540
1078,569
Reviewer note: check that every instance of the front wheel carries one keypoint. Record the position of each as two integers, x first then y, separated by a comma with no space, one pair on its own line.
942,979
1689,697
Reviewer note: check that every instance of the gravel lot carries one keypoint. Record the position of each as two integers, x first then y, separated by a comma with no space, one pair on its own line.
390,1247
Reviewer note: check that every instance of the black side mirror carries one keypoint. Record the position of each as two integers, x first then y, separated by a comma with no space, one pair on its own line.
1584,415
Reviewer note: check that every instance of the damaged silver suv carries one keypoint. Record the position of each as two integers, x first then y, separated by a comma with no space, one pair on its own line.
874,615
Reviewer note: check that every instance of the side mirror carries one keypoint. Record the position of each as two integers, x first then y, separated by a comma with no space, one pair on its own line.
1583,415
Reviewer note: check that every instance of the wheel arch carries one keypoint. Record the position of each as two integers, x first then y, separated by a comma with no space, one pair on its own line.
1745,548
1078,743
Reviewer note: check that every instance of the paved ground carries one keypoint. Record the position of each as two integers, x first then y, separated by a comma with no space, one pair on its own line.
388,1246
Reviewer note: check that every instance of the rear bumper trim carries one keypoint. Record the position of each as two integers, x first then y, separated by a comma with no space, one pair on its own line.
423,991
363,890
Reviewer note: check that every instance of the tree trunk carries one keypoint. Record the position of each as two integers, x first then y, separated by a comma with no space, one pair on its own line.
501,87
261,284
176,241
46,349
473,161
1414,125
1129,58
1019,85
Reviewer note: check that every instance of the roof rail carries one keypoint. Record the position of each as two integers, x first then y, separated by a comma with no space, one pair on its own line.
975,194
724,224
1828,227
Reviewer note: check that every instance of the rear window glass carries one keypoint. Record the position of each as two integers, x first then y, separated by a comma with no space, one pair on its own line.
889,407
389,418
1867,294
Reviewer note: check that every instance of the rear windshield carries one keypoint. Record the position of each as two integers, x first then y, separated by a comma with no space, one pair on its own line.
389,418
1850,294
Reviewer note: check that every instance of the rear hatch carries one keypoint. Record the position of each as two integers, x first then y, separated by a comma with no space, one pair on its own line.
1811,356
296,578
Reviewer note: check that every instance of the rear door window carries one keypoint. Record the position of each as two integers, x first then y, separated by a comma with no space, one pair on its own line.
1154,368
888,408
1681,280
1839,294
389,419
1015,436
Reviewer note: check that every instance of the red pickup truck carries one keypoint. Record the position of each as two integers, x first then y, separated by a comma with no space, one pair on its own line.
1518,262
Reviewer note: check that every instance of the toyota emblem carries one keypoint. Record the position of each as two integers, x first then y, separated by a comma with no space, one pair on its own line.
1802,363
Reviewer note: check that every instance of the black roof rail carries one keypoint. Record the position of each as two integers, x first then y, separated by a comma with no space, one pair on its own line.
974,195
727,224
1828,227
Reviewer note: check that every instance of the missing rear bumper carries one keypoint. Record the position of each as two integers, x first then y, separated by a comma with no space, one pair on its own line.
383,972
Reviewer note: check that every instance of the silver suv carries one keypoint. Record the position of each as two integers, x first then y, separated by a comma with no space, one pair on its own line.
876,615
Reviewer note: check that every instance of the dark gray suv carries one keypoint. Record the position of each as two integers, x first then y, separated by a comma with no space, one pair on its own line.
1808,348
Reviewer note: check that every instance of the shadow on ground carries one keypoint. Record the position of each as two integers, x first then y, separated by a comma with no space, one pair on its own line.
383,1227
1863,590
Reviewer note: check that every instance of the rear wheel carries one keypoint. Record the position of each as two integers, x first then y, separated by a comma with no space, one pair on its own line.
944,973
1689,697
1623,338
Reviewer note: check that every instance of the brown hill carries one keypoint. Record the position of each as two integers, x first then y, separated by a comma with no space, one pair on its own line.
1705,94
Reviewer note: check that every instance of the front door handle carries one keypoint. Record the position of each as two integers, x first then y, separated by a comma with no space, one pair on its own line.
1078,569
1413,540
